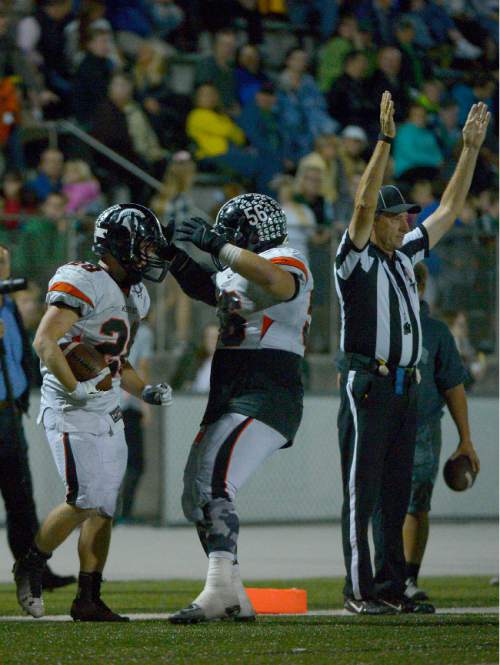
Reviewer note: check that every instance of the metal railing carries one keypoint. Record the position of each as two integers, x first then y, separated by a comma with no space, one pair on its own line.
54,128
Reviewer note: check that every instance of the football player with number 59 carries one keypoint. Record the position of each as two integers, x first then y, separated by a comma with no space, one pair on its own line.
101,306
262,291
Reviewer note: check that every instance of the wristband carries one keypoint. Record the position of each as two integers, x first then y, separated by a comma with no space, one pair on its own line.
229,254
385,138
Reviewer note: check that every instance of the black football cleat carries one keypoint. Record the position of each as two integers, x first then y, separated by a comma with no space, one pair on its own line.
408,606
51,581
94,610
367,607
196,614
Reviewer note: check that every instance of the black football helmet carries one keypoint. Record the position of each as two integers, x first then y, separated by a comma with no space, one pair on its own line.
252,221
132,234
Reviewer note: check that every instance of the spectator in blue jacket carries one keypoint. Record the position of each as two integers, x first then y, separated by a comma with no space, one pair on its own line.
261,123
302,107
434,27
132,21
480,89
49,173
249,76
417,153
130,16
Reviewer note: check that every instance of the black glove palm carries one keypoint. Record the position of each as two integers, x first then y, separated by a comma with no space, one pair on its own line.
201,234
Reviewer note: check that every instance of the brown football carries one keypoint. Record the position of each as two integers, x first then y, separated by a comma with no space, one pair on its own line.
86,362
458,473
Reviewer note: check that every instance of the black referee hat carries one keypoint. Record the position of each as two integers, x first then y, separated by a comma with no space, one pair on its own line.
392,201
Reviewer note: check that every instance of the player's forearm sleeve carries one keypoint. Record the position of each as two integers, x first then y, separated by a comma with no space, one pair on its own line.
193,280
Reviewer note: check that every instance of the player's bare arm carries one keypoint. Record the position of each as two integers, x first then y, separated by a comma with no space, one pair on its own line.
456,192
159,394
131,381
276,281
365,201
456,401
55,324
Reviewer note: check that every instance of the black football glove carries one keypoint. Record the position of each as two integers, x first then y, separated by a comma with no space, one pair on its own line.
201,234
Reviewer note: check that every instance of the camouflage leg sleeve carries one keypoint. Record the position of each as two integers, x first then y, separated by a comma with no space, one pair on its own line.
222,526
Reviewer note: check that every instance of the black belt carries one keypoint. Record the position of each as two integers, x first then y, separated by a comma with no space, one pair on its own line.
379,367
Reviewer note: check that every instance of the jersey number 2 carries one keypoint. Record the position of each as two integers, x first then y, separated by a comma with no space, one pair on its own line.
118,329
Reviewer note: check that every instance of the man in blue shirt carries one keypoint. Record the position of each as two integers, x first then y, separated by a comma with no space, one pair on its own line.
49,173
15,477
442,375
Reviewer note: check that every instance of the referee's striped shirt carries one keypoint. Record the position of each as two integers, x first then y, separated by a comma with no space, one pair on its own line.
379,301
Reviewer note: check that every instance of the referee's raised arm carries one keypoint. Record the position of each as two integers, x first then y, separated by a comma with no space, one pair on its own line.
365,201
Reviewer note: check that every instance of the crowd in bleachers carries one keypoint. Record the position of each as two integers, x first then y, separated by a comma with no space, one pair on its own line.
243,94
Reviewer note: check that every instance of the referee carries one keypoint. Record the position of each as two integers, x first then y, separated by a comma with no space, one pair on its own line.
382,340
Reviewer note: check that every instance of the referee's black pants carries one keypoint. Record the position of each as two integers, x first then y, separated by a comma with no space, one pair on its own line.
15,483
377,430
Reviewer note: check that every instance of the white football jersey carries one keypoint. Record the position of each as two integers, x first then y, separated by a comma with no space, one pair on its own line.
109,320
250,318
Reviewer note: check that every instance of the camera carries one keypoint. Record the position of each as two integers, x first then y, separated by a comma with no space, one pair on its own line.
11,285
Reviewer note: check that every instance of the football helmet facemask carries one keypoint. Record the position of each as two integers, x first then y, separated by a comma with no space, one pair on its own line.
252,221
132,234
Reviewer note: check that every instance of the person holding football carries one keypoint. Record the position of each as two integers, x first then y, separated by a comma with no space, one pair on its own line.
261,289
443,376
99,305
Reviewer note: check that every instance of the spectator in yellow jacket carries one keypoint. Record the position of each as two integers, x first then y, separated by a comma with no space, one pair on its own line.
220,142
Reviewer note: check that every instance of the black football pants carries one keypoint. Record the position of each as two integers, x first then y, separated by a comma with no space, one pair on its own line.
15,484
377,430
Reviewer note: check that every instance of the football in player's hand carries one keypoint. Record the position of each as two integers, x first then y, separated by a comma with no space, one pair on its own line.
459,474
86,362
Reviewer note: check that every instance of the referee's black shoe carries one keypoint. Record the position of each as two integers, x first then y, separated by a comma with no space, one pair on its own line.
367,607
405,605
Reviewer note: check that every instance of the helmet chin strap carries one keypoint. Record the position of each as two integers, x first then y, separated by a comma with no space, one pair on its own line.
130,278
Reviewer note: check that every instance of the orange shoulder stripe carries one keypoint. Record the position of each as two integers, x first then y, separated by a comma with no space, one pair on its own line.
289,261
267,322
72,290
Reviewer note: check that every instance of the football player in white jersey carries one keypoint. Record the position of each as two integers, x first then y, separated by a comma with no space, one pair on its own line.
262,293
99,305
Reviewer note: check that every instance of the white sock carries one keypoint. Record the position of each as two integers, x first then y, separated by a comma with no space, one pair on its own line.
218,593
246,607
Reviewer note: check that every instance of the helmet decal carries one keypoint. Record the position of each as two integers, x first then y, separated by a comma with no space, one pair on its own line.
253,221
133,235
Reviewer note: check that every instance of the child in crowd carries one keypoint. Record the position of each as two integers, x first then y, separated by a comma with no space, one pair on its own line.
16,200
80,187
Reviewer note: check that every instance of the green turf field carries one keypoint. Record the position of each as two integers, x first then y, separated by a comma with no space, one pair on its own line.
425,640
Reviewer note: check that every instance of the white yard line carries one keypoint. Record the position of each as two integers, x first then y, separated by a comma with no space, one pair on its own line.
313,613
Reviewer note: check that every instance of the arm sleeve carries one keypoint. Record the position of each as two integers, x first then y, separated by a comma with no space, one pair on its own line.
193,280
449,370
416,244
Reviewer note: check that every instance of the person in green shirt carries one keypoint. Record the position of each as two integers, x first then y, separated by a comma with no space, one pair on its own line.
332,54
43,243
